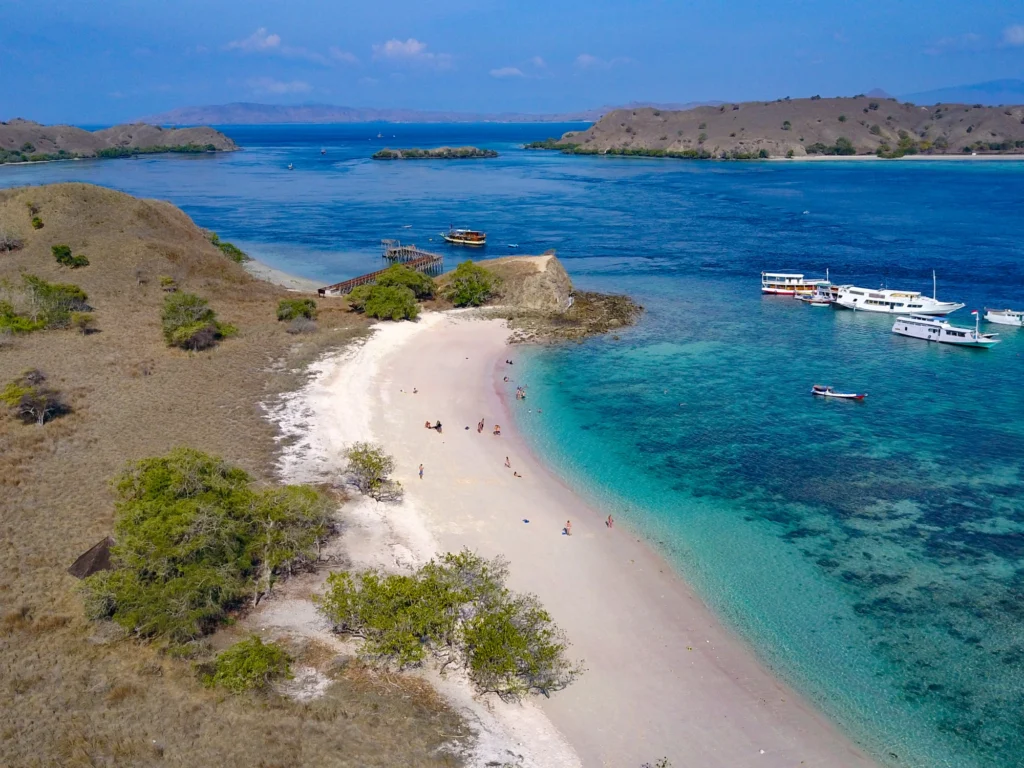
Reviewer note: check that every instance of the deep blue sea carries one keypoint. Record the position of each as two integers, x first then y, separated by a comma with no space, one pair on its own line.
872,553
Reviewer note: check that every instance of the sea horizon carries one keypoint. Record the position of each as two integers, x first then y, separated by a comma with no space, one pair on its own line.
868,552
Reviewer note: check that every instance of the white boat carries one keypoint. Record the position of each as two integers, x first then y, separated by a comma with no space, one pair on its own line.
932,329
894,302
788,284
823,391
1005,317
820,297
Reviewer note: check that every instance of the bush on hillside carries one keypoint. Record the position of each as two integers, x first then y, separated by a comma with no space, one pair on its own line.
233,252
195,540
458,611
370,468
399,275
385,302
84,322
37,304
37,223
471,285
30,400
249,665
9,241
289,309
62,253
189,323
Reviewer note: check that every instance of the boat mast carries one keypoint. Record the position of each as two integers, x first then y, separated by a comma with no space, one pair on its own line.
934,292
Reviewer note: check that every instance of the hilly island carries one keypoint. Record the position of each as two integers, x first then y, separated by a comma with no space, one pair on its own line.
23,141
860,125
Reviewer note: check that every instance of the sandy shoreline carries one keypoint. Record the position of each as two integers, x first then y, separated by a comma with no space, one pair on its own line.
909,158
278,277
664,678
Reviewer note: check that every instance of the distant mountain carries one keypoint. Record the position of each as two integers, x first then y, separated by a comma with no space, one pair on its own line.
248,113
991,93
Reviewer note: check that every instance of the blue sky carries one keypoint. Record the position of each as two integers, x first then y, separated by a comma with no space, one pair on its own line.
103,62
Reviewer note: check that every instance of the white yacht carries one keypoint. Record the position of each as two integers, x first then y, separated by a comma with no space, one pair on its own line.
932,329
894,302
788,283
1005,317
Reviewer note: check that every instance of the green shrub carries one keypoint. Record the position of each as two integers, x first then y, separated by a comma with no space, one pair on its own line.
289,309
702,126
471,285
385,302
84,322
194,540
37,223
233,252
459,611
842,118
248,665
370,468
28,399
189,323
49,305
62,253
787,125
876,130
789,153
762,153
400,275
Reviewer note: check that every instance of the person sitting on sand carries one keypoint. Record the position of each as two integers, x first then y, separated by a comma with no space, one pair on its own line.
516,474
507,464
480,426
438,427
609,522
497,429
568,528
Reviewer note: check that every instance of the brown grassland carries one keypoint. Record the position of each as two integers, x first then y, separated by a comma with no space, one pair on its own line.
74,693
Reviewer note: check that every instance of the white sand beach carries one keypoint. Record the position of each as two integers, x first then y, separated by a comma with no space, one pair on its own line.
663,679
270,274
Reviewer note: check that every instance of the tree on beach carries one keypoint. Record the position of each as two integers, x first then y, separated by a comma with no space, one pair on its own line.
458,611
471,285
399,275
385,302
370,468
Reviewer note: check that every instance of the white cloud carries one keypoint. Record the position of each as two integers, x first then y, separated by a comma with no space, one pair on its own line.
538,62
270,85
339,55
259,41
507,72
585,61
969,41
1014,35
410,51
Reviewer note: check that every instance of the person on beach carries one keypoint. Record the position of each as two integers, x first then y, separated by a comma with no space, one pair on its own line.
428,425
438,427
609,522
507,464
497,429
421,477
516,474
568,527
480,426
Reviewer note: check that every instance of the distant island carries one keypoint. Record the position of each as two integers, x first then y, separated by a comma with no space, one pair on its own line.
24,141
860,125
440,153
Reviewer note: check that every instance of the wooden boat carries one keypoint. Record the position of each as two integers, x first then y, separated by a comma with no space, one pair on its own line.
470,237
823,391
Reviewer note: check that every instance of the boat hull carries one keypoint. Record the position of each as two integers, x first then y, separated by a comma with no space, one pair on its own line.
460,241
943,333
1015,319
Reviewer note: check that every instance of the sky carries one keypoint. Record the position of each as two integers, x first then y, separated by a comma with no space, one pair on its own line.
93,62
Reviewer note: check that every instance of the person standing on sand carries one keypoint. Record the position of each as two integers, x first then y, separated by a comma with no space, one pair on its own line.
480,426
609,522
421,477
568,527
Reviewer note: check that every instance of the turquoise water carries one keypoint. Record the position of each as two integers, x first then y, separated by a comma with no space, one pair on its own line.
872,553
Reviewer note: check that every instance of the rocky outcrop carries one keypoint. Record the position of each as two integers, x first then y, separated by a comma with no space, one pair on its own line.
439,153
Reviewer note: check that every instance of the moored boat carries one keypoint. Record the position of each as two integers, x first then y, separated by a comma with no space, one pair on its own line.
1005,317
933,329
821,296
894,302
823,391
787,284
471,237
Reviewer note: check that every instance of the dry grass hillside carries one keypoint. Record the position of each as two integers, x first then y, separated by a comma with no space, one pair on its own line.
74,693
24,139
806,126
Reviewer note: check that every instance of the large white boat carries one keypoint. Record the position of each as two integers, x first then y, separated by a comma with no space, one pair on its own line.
1005,317
788,284
894,302
932,329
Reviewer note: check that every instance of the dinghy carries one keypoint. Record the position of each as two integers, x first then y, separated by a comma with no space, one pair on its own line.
823,391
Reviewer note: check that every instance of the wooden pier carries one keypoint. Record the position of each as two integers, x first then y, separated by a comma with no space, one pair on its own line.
395,252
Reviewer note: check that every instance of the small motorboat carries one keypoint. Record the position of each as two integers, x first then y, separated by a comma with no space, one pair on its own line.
291,167
323,151
823,391
1005,317
820,297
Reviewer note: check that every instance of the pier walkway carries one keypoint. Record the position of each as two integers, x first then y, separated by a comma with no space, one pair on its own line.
395,252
